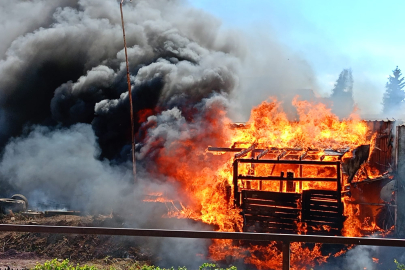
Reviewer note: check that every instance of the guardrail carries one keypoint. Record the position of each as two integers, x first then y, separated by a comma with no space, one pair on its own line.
286,239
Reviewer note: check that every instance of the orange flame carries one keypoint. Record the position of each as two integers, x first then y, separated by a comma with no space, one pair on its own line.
206,178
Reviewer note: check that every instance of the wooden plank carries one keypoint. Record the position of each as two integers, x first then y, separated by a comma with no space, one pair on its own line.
264,229
320,201
276,211
332,208
320,192
324,203
330,196
250,218
277,178
270,195
272,210
325,197
297,162
264,221
324,232
257,226
272,225
336,225
248,202
273,215
324,219
279,230
323,214
317,226
333,226
336,219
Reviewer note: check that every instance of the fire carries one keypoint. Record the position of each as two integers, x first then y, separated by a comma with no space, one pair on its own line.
268,256
206,178
316,128
352,224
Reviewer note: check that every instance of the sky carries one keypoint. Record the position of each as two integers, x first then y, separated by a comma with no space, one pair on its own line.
365,36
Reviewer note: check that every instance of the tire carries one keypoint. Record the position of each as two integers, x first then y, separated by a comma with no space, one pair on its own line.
11,205
20,197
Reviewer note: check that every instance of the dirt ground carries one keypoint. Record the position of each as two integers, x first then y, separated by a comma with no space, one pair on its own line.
25,250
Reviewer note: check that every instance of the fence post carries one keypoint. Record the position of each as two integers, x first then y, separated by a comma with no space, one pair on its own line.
286,255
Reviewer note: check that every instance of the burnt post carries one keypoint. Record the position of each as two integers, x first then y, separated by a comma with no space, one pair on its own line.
339,183
300,184
286,255
400,177
235,183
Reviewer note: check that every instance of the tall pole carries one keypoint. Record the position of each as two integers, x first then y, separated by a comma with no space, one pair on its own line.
130,97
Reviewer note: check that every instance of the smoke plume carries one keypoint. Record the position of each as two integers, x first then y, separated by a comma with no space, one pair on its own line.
64,108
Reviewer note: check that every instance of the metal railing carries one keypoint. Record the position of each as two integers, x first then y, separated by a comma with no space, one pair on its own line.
286,239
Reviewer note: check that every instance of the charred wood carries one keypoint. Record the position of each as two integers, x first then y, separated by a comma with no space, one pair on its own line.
352,165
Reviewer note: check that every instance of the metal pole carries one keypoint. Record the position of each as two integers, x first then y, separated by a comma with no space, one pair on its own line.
400,178
367,241
286,255
285,238
130,97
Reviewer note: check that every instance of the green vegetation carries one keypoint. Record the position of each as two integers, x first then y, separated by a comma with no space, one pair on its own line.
400,266
394,91
65,265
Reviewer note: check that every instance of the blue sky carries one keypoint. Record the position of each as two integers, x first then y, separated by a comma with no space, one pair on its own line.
366,36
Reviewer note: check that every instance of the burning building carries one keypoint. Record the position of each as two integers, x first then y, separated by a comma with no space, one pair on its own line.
315,175
309,184
305,190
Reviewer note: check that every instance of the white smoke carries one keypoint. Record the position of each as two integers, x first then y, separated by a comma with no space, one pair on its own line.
63,165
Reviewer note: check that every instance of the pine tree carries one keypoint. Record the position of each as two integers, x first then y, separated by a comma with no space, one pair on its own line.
394,94
342,94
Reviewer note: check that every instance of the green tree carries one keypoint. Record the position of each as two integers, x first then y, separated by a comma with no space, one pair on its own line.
342,94
394,94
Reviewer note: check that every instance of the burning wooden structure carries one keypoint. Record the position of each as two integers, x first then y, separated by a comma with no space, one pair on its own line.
290,190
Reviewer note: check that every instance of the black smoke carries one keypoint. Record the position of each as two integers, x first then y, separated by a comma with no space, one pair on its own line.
64,108
71,70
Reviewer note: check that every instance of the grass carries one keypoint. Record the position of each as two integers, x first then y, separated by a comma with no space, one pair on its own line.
55,264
